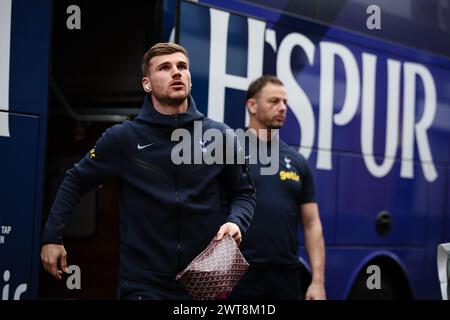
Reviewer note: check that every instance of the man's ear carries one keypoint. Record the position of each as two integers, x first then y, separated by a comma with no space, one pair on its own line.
251,106
146,85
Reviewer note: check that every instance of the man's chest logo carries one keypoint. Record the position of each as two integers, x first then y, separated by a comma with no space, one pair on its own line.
289,175
287,161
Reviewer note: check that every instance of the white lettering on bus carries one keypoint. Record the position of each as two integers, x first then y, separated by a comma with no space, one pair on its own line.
298,100
219,80
6,287
368,114
5,39
360,92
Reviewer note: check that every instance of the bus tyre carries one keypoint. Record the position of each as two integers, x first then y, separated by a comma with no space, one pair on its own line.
388,291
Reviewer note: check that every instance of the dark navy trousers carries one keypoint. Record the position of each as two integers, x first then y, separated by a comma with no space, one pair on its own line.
269,284
131,290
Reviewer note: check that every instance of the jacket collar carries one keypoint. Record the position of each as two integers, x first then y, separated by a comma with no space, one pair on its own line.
150,115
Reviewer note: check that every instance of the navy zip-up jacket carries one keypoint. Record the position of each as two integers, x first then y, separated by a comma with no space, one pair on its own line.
168,213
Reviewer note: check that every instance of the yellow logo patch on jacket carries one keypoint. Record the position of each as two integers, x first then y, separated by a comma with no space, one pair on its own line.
289,175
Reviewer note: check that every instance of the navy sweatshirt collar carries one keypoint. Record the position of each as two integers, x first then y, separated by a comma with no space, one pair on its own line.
150,115
267,142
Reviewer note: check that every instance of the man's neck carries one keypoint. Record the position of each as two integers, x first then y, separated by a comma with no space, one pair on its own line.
169,109
262,132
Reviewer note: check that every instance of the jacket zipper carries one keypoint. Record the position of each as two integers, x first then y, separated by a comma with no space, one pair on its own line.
178,211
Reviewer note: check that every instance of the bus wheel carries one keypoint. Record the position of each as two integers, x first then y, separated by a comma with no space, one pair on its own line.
393,286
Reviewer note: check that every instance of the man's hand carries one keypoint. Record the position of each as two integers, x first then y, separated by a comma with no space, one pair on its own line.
232,229
53,255
316,291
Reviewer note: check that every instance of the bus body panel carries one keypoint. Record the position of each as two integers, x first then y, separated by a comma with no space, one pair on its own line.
18,187
345,264
24,148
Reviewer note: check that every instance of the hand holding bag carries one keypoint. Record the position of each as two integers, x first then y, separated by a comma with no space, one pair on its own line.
214,273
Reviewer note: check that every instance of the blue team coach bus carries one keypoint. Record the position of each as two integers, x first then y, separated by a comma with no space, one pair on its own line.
369,107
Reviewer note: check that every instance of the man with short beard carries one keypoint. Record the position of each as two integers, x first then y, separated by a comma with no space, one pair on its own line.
283,200
168,213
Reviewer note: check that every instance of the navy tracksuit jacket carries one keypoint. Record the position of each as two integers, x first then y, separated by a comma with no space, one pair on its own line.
168,213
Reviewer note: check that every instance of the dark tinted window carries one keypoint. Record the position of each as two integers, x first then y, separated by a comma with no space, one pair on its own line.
99,65
421,24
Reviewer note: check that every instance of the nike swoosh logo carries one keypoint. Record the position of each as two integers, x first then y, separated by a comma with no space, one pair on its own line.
143,147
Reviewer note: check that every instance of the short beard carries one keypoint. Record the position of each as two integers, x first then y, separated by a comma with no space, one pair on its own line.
171,101
277,126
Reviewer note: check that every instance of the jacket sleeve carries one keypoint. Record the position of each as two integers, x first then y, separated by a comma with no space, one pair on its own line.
100,162
238,183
